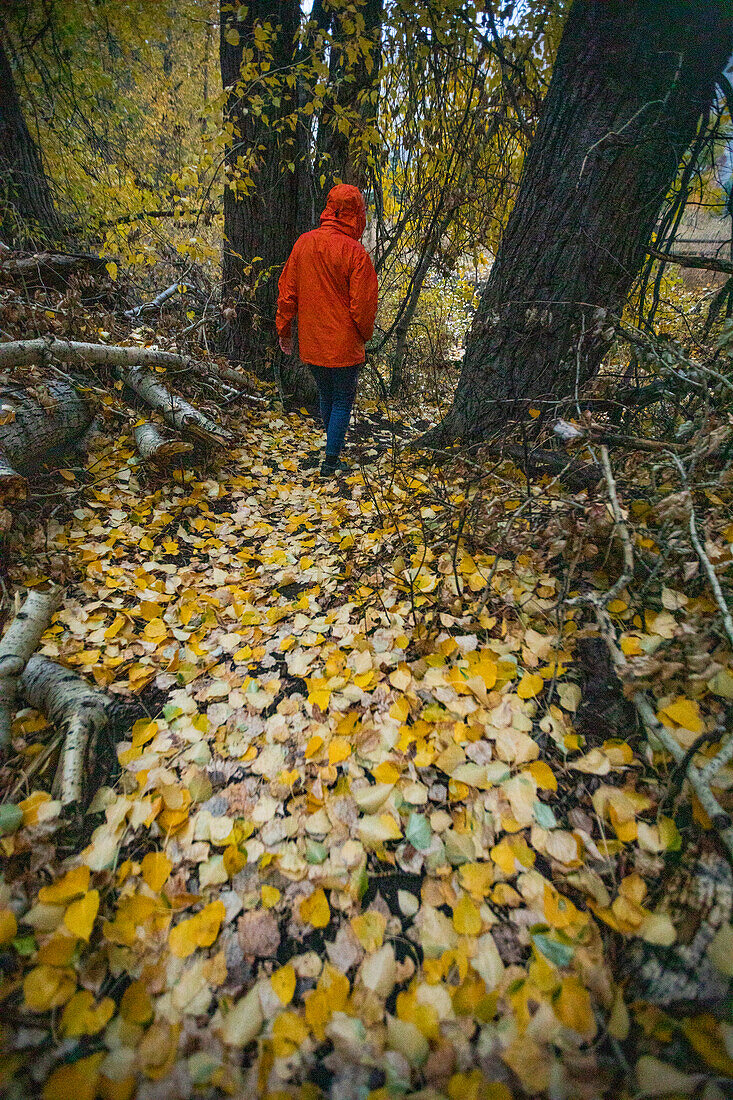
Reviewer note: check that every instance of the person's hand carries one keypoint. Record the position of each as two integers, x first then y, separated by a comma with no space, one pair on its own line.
286,345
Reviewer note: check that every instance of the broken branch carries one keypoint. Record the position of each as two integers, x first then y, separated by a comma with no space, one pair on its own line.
153,447
175,410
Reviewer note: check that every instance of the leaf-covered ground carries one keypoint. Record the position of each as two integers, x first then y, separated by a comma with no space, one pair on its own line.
389,826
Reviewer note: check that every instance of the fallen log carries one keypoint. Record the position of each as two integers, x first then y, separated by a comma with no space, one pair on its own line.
175,410
51,270
153,447
76,708
17,646
29,429
24,353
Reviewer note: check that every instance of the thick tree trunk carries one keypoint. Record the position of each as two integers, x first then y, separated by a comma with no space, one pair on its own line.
261,192
343,151
27,211
628,89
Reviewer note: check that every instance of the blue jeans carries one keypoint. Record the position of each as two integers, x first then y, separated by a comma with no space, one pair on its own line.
336,393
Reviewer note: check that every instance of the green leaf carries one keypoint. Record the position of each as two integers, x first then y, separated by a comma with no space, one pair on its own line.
543,815
558,953
418,832
315,852
25,945
11,819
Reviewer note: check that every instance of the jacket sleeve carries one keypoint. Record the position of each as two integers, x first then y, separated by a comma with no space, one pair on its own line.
363,291
287,296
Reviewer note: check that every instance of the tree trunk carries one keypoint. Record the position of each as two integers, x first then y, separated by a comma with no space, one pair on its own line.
628,89
343,152
23,353
27,211
77,708
261,192
154,447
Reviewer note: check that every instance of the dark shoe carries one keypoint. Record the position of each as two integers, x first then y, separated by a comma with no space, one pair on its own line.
332,466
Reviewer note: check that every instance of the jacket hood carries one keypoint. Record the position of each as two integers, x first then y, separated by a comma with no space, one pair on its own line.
345,210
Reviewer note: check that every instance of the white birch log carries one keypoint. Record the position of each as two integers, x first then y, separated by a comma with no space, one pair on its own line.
175,410
17,646
24,353
76,708
153,447
30,430
157,302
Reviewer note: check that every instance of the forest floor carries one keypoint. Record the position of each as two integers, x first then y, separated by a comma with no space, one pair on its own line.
385,823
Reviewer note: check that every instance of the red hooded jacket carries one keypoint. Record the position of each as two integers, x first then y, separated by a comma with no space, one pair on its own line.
330,282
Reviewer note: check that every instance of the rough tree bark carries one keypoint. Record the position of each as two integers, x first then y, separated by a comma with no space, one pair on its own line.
27,211
260,217
28,430
628,89
340,155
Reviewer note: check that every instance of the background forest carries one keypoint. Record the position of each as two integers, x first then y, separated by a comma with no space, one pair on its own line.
416,783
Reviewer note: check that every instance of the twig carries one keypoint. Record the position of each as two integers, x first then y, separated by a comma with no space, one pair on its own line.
706,563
